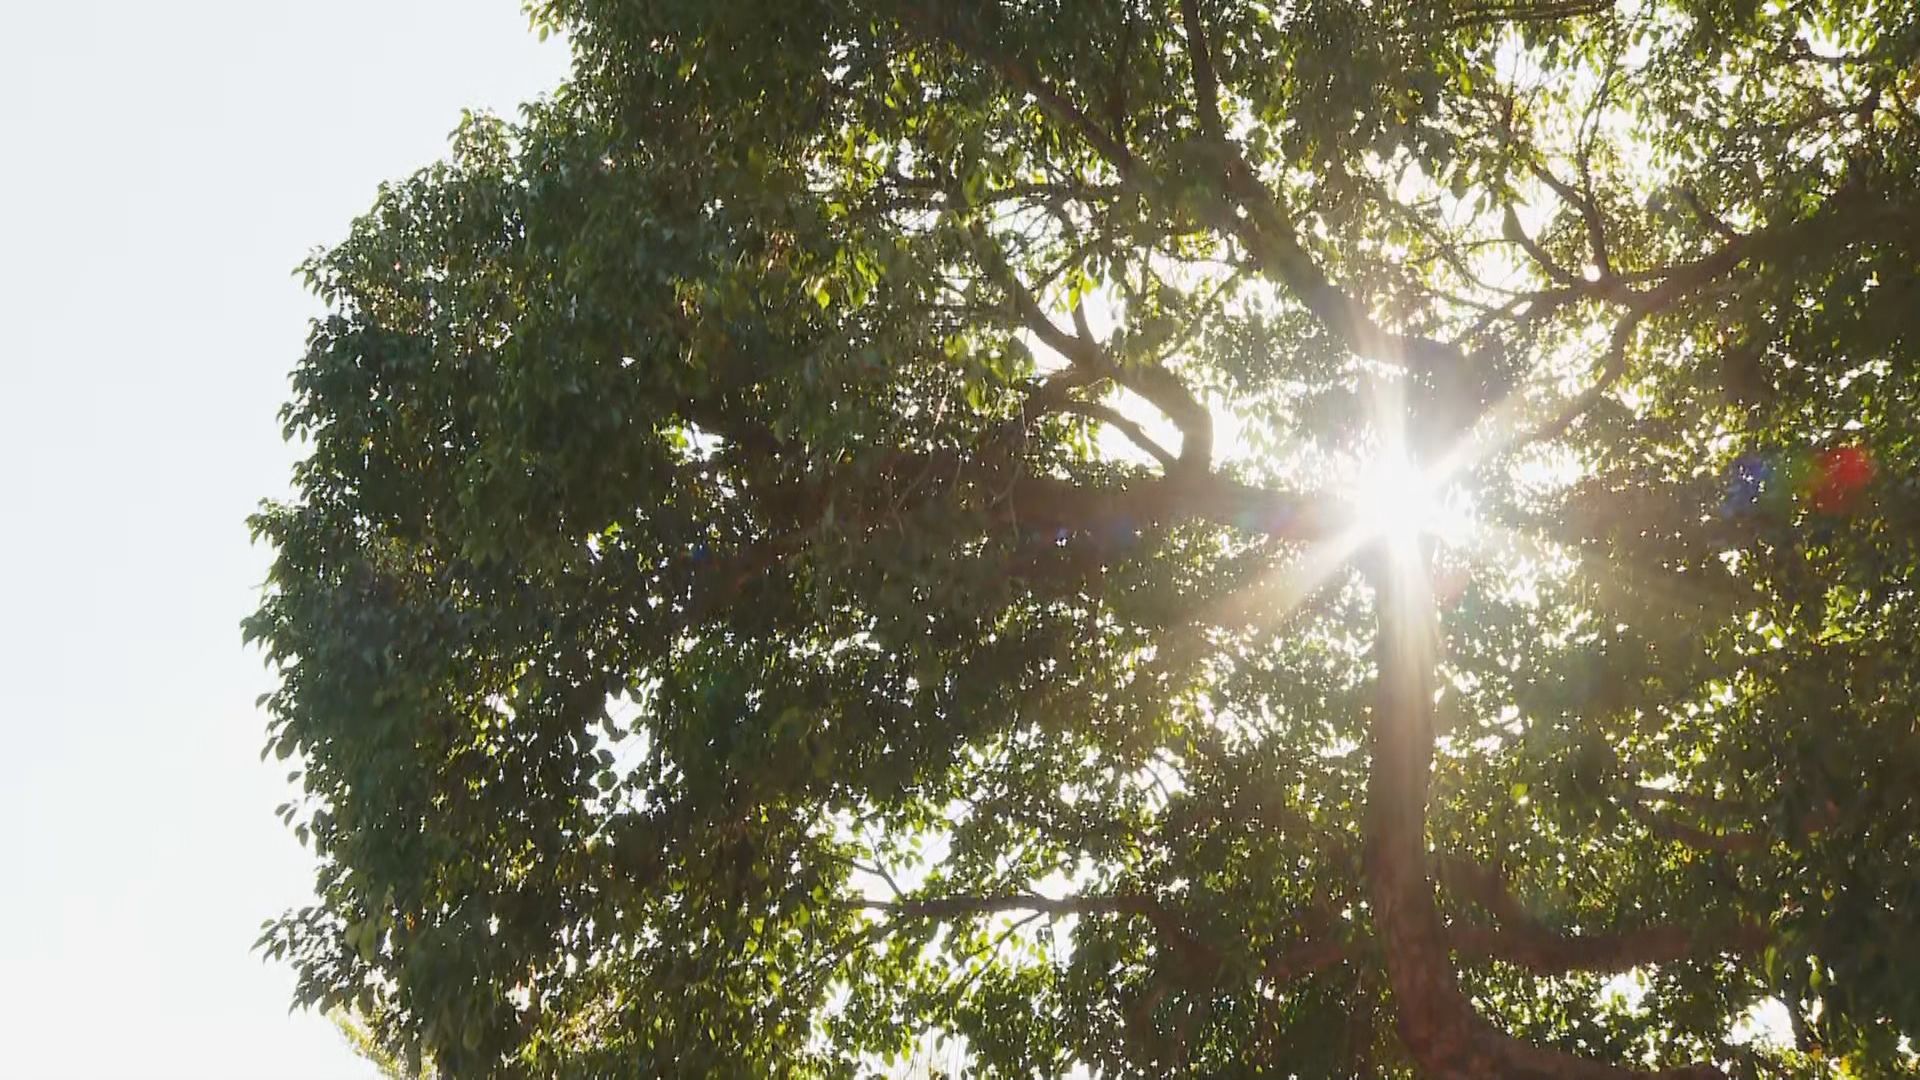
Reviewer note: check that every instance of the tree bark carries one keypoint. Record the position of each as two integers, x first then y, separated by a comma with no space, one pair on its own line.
1442,1032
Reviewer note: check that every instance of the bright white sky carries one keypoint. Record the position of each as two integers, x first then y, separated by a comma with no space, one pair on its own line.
163,167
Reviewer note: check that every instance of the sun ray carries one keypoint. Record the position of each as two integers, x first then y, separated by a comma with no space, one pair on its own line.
1392,500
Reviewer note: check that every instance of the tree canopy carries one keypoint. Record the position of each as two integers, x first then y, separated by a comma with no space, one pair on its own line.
1128,538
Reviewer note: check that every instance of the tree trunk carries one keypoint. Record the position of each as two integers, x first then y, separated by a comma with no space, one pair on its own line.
1445,1036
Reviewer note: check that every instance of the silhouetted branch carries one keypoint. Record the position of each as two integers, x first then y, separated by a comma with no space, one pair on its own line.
1522,939
1206,85
1113,418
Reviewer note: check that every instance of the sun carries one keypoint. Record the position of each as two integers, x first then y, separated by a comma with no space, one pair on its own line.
1403,504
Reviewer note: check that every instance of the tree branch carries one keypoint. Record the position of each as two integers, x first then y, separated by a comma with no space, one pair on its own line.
1160,387
1264,229
1203,961
1210,497
1510,227
1735,841
1693,836
1589,213
965,905
1853,220
1494,14
940,22
1206,85
1544,951
1113,418
1523,940
1612,369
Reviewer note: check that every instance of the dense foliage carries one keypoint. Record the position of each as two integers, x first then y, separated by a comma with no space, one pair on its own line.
845,534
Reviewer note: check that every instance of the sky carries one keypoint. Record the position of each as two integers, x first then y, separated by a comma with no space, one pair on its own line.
163,169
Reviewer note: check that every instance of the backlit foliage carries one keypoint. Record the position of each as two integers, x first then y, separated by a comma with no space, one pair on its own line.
840,536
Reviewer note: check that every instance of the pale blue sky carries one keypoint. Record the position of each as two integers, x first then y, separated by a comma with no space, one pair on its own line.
163,167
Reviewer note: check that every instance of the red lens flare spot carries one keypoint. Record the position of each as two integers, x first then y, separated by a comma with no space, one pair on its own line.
1839,476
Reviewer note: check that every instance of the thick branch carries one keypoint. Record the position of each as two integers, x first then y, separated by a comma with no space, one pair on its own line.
1163,501
1164,391
1544,951
941,21
1160,387
1589,211
1612,369
1206,85
1202,960
1495,14
1525,941
1840,223
1113,418
1510,227
1520,940
961,906
1693,836
1245,208
1270,238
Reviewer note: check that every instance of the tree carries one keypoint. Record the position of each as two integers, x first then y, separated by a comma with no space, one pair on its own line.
392,1064
1348,537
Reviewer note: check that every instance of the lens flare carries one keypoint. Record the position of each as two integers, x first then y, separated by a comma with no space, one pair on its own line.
1402,504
